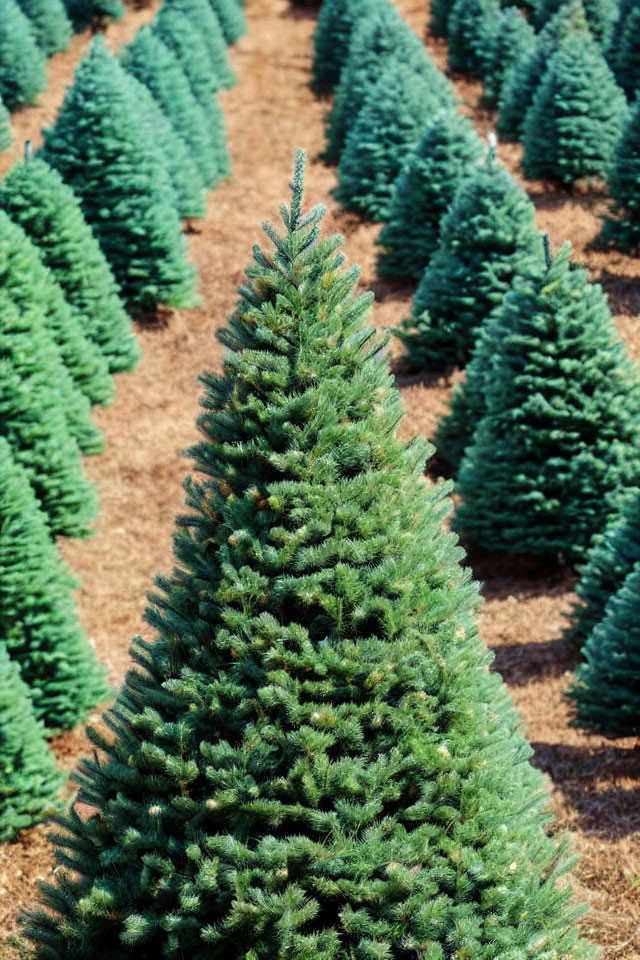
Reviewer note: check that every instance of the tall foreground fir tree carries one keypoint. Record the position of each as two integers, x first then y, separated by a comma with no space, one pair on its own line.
312,758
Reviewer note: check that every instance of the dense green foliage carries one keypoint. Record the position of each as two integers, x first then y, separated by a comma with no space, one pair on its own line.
22,72
154,64
513,39
50,23
447,152
387,129
560,438
487,237
576,117
626,56
336,21
6,133
85,13
601,16
30,782
606,690
232,19
200,14
611,559
121,181
312,758
471,30
381,35
623,229
38,619
439,13
35,197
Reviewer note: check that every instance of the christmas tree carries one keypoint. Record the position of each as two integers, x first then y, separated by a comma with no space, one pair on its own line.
50,23
6,133
623,229
231,17
560,438
30,782
200,15
312,757
188,188
513,39
576,117
180,35
86,13
447,152
35,197
336,21
379,36
22,71
150,61
29,286
626,56
601,16
487,237
122,183
471,30
523,78
387,129
611,559
439,14
38,619
606,690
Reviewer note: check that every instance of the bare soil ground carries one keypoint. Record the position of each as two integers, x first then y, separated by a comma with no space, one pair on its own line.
595,783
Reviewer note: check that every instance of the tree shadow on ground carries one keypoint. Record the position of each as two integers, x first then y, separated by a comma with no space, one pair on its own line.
522,663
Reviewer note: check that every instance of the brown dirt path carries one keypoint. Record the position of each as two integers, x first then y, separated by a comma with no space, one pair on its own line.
270,112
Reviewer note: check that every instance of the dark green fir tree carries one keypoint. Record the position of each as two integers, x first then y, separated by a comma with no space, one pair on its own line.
622,229
523,78
50,23
387,130
36,198
626,57
513,39
447,152
439,13
22,63
379,36
611,559
487,237
96,13
605,694
572,127
201,15
336,22
6,133
312,757
120,178
38,619
154,64
560,439
601,16
471,31
30,781
232,19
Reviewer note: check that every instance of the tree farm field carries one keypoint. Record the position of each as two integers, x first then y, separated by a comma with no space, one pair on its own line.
595,782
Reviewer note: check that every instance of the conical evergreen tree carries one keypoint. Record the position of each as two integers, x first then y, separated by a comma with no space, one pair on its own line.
335,25
22,70
150,61
232,20
122,184
381,35
37,612
439,13
386,130
611,559
575,120
601,16
30,782
35,197
200,15
184,40
50,23
6,133
487,237
626,58
30,286
85,13
523,78
471,29
427,183
623,229
513,39
606,689
312,758
188,188
560,438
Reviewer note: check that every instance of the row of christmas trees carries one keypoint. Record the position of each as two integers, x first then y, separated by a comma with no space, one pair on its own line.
543,435
89,227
